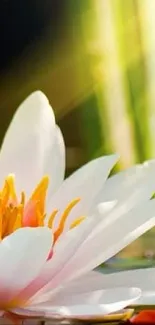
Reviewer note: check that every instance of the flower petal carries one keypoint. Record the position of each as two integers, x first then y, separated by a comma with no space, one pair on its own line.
91,281
22,255
95,305
143,278
100,296
64,250
55,162
84,183
27,142
116,184
137,180
147,299
121,225
110,236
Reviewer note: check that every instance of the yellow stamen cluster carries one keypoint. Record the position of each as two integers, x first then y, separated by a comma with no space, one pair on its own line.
10,210
15,214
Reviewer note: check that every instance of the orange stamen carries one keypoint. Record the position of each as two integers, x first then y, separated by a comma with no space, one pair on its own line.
4,195
63,219
51,218
1,220
39,195
22,198
40,219
11,184
35,207
18,222
14,215
76,222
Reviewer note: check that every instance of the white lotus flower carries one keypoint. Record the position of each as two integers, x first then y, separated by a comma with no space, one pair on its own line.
48,251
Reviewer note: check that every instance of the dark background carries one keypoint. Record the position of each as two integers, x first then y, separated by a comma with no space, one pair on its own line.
23,23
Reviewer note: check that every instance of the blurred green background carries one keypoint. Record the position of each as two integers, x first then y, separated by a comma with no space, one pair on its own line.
95,60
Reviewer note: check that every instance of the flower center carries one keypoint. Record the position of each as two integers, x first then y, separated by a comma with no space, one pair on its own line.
15,213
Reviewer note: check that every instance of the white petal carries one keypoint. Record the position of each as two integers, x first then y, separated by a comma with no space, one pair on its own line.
106,240
137,180
142,278
116,184
55,313
64,250
55,162
147,298
27,142
22,256
105,207
95,305
99,296
84,183
103,303
110,236
88,283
